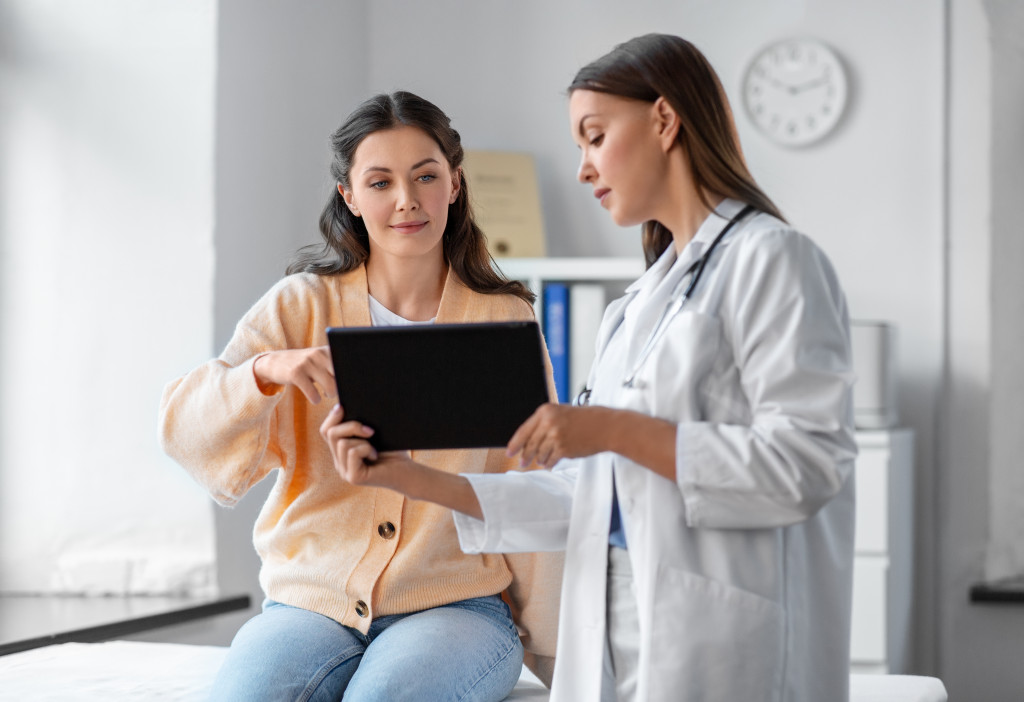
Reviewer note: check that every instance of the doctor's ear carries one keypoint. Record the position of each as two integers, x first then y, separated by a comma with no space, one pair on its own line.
347,197
666,121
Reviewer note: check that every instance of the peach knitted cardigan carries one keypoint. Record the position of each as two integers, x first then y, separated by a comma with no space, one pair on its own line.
325,544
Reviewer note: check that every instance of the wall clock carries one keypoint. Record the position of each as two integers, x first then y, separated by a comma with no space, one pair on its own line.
795,91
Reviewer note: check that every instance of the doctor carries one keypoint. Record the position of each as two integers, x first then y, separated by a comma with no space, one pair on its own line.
703,491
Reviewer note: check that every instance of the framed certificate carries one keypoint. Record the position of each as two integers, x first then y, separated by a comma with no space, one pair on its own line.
506,202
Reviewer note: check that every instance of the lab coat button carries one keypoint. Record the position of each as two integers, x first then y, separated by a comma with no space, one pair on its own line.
386,530
361,609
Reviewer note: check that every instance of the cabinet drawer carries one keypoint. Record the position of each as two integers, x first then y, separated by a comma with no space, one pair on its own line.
872,479
868,626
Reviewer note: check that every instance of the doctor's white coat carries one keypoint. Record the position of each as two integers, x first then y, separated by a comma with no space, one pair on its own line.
742,566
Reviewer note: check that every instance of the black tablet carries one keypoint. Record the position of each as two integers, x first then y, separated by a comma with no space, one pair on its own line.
439,386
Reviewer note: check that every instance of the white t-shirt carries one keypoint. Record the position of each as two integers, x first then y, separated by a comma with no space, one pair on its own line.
381,316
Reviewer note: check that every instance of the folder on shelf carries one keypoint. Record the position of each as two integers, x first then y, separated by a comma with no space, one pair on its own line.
586,309
506,201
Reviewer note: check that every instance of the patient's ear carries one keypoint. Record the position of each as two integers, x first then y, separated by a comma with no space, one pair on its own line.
456,185
347,197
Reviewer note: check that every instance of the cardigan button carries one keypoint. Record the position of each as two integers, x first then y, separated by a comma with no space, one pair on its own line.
361,609
386,530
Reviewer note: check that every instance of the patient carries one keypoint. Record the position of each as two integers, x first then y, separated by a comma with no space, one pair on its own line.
368,593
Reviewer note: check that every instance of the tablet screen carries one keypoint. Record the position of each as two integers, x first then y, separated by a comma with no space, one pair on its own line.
440,386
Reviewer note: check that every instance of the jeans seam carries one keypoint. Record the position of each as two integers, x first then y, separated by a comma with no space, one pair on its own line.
487,672
321,675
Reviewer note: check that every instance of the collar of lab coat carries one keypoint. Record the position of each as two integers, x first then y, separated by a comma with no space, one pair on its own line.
711,227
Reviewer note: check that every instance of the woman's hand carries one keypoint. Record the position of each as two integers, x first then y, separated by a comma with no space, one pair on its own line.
355,459
358,462
310,370
555,432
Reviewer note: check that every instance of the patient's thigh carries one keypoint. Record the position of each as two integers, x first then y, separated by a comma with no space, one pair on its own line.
288,653
468,651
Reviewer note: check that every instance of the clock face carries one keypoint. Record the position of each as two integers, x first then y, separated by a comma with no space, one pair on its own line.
795,91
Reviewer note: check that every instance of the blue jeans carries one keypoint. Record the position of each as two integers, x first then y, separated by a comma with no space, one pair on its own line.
464,651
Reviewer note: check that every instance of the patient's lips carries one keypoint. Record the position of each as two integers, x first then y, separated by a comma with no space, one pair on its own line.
410,227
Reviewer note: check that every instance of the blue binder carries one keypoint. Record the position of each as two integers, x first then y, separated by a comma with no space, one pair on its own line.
556,334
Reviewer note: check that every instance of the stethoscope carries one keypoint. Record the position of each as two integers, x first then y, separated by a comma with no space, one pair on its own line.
680,294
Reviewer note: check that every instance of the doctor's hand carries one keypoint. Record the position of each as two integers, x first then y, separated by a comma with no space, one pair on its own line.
355,459
310,370
554,432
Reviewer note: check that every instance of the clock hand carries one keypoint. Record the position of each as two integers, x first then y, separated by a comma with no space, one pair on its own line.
810,84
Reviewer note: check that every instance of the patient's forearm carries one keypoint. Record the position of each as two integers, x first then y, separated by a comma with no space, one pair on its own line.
421,482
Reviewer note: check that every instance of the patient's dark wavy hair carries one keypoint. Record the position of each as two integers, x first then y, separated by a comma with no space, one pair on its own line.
346,241
661,65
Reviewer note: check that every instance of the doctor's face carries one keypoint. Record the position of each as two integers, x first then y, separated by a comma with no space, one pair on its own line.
620,154
401,185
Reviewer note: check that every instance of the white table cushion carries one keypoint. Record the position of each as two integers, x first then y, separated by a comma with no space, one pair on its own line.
117,671
896,688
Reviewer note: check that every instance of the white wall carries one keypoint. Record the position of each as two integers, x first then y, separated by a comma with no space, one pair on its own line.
106,289
981,646
1006,553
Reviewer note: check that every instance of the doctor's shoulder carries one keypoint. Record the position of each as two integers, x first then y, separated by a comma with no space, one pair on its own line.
770,247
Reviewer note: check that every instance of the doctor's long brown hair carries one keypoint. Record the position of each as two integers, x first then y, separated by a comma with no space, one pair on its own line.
662,65
346,240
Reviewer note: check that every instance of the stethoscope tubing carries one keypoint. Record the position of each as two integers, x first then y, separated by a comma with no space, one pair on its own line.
676,301
690,279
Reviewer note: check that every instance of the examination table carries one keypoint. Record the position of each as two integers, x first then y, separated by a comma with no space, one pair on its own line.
119,671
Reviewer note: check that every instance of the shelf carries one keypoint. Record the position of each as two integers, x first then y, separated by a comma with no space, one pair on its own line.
572,268
1007,590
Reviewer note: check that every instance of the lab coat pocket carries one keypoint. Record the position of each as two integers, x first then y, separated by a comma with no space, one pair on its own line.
714,641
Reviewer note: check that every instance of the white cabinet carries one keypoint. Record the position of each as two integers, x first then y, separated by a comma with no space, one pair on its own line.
883,552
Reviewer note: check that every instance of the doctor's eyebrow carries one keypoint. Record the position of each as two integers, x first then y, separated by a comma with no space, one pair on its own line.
584,118
384,169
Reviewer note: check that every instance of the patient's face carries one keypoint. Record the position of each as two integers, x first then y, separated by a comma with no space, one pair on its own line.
401,186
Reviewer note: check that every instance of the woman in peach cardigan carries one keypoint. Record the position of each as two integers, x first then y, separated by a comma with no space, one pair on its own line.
368,593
